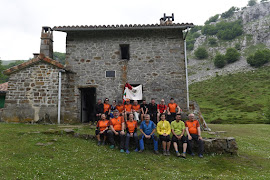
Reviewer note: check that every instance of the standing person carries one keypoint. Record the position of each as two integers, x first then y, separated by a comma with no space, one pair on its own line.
172,109
131,128
164,131
194,133
152,109
178,131
113,107
106,107
101,129
144,109
147,129
136,109
99,109
117,126
120,107
161,108
128,107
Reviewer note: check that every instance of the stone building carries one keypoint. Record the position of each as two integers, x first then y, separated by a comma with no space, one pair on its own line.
99,61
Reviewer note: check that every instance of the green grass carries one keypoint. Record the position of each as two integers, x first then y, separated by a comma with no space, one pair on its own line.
72,158
236,98
253,48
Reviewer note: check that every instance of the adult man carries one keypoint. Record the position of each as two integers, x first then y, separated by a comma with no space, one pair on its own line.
147,129
136,109
99,109
194,133
178,131
172,109
152,109
120,107
117,126
161,108
144,109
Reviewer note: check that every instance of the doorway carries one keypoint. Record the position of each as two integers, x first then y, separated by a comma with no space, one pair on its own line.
88,102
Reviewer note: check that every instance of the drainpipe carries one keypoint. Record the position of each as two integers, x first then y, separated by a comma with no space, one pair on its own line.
59,94
185,49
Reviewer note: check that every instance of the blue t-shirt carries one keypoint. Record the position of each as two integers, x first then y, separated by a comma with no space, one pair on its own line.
147,129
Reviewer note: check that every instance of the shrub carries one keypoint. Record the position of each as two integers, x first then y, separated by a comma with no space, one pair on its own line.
212,41
252,2
201,53
232,55
228,13
267,112
219,61
237,46
259,58
209,30
212,19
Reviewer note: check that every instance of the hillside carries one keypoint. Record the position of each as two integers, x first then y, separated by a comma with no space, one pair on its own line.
242,97
255,34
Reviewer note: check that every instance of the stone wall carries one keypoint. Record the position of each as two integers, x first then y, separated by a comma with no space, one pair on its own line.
156,62
32,94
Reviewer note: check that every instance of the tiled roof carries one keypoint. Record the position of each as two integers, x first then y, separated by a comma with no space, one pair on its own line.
123,27
3,87
41,57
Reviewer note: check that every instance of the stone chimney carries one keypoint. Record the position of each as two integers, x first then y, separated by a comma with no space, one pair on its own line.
46,45
167,20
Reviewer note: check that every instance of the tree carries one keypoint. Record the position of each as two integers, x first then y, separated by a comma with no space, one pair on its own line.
61,57
229,13
212,19
232,55
201,53
219,61
252,2
263,1
3,78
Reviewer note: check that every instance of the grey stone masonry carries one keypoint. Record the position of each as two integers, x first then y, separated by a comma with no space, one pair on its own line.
156,61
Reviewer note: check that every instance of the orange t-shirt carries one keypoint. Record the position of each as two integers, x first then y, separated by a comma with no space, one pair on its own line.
172,107
102,124
137,107
106,107
192,126
131,126
120,108
128,107
117,123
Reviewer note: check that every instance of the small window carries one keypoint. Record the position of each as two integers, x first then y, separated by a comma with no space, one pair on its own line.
110,73
124,51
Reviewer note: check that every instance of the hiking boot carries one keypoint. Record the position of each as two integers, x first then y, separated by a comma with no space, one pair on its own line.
156,152
122,150
127,151
168,153
99,143
141,150
183,155
192,154
200,156
178,154
136,150
103,143
164,153
112,146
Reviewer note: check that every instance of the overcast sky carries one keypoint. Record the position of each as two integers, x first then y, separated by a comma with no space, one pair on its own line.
21,20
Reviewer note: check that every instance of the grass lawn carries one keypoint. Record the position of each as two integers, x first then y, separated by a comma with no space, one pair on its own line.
72,158
238,98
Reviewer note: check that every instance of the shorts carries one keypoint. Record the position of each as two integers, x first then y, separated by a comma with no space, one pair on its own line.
183,139
104,134
165,138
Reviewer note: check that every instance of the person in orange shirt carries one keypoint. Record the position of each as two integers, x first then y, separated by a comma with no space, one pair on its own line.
120,107
136,109
128,108
194,133
117,129
106,107
172,110
131,128
101,129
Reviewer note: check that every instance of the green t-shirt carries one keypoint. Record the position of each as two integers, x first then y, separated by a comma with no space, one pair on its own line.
178,127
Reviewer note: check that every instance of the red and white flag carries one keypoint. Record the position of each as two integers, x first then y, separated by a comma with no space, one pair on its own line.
132,93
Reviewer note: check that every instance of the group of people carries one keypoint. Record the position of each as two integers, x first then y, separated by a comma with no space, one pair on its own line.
122,123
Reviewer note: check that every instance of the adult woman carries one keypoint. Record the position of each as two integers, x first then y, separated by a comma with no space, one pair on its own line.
131,127
164,131
101,129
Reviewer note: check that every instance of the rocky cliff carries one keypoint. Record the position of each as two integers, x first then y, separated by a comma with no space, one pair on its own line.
256,27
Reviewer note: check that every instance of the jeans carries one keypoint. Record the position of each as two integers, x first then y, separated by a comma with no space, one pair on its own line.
135,137
200,142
